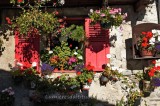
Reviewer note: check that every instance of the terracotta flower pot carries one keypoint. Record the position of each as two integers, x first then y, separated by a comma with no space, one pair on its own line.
147,53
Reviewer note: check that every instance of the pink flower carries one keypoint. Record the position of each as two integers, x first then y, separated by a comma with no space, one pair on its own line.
97,11
102,15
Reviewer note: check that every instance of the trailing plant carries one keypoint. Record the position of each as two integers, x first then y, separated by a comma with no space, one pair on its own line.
33,20
108,17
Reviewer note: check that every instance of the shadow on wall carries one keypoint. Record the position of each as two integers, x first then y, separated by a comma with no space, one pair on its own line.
133,64
5,79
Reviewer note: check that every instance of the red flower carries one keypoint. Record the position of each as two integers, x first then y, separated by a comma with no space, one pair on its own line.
144,45
19,1
153,62
145,39
70,45
79,73
8,20
151,74
89,80
144,33
149,34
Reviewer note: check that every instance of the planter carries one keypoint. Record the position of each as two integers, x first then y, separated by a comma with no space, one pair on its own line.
146,86
155,82
137,101
103,80
147,53
106,25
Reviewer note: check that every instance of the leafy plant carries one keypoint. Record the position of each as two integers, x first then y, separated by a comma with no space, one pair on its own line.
34,21
65,58
73,32
86,76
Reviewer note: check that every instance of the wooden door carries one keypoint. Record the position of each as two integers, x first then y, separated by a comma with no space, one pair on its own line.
98,48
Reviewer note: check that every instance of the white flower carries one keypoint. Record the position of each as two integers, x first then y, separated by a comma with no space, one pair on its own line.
80,57
91,10
19,64
114,68
50,52
34,64
108,65
152,40
76,47
75,53
158,32
154,31
158,38
108,55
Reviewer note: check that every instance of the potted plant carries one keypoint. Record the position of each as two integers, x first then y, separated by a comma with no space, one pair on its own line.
107,17
65,58
46,70
146,43
105,77
134,98
86,76
7,97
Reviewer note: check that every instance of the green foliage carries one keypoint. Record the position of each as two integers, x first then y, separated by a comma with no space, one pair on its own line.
85,76
34,20
1,46
74,32
65,58
133,96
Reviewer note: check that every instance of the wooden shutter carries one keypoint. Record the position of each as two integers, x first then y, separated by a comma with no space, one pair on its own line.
27,50
98,48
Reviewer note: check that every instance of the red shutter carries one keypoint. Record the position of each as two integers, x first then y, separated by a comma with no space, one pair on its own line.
98,48
27,50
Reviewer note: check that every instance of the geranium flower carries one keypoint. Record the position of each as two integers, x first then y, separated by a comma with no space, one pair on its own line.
149,34
153,62
144,45
19,1
89,80
144,39
79,73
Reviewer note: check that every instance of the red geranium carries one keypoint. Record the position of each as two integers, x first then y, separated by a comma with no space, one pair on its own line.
79,73
19,1
89,80
153,62
149,34
145,39
144,45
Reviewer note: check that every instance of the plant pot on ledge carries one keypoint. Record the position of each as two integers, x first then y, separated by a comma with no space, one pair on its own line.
147,53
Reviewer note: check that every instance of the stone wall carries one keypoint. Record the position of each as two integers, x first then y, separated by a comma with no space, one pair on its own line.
121,41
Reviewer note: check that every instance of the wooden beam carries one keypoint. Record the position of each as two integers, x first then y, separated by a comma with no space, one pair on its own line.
158,8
